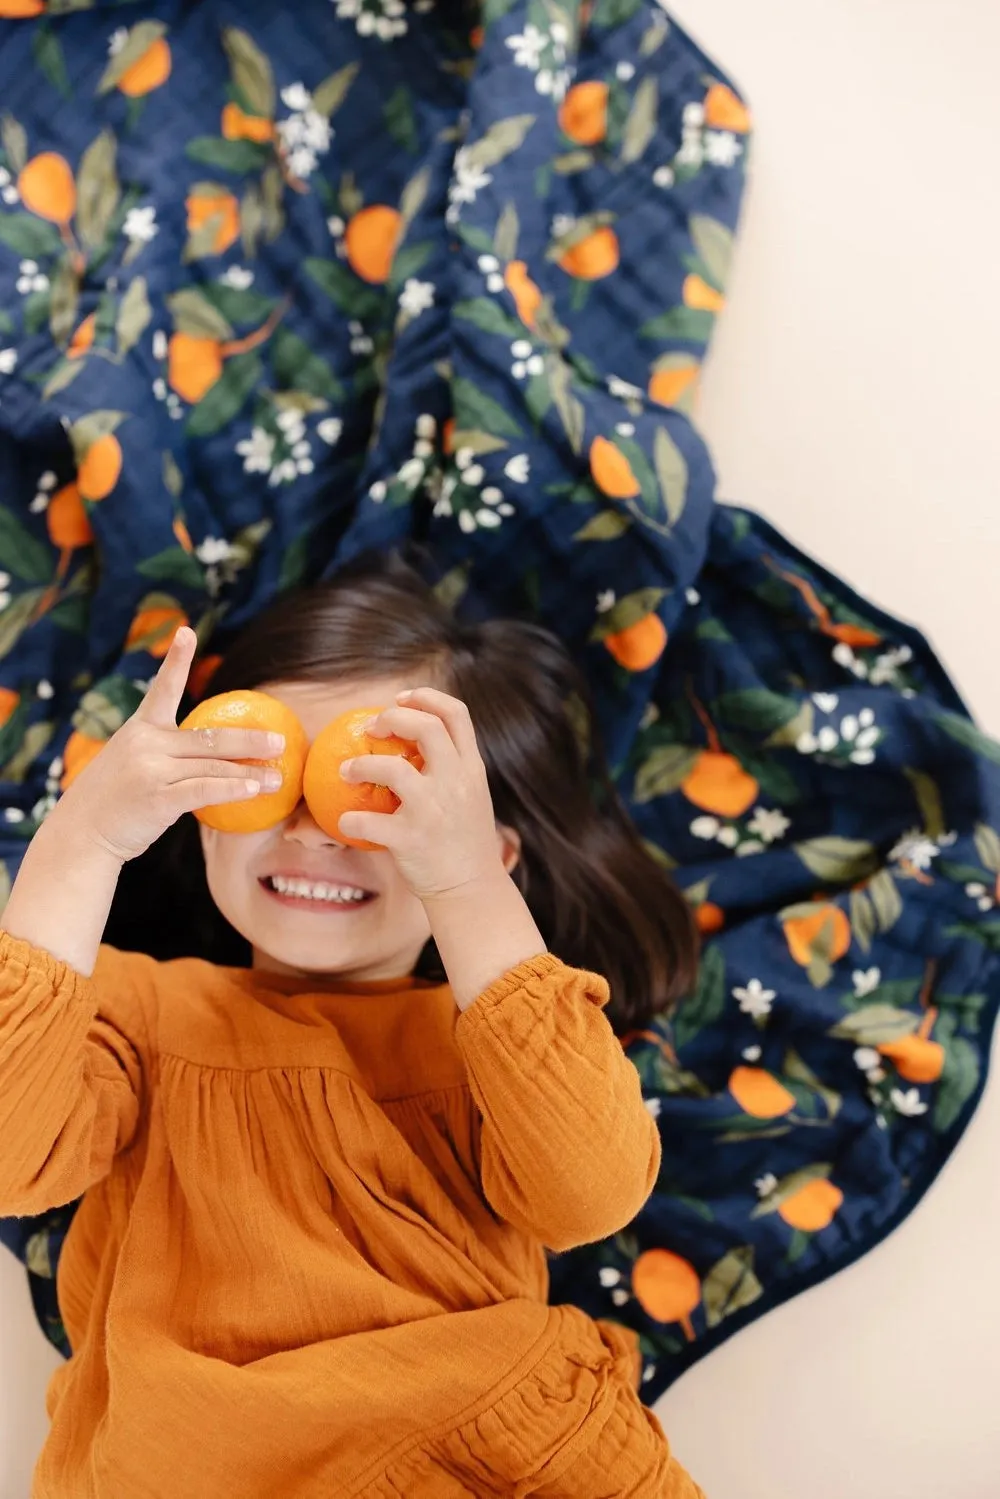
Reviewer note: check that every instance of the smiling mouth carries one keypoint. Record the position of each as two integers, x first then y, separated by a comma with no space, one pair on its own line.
315,895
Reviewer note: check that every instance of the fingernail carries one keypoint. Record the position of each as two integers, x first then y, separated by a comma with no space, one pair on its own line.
272,779
345,766
401,697
276,741
252,787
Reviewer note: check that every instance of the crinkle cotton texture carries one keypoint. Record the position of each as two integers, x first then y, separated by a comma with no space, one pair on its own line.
294,1270
280,284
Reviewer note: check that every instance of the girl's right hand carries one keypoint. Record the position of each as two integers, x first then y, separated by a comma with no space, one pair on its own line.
151,772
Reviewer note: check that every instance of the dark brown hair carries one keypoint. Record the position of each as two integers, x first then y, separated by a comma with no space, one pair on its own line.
600,899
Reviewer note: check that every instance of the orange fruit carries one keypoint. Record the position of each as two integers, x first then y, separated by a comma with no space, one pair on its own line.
759,1094
238,126
801,933
13,10
709,917
853,635
718,783
917,1059
194,363
80,750
527,297
593,257
639,646
148,71
328,795
47,188
666,1286
723,111
9,700
83,338
448,435
67,520
371,238
183,535
612,471
698,294
583,114
668,386
201,208
98,470
476,36
812,1207
255,710
153,629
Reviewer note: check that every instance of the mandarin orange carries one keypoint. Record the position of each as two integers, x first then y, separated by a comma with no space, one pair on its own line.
328,795
245,709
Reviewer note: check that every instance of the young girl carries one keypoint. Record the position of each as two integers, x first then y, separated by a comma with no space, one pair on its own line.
310,1260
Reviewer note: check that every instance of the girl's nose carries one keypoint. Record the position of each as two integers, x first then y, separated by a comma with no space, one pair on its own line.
301,827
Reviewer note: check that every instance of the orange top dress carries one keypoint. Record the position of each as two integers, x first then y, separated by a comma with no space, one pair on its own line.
309,1261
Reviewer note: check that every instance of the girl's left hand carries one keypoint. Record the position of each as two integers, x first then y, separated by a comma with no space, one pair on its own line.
443,835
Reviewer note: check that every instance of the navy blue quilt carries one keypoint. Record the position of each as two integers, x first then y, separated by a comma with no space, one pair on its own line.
279,284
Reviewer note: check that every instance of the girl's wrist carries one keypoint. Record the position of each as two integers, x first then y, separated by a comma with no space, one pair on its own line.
482,930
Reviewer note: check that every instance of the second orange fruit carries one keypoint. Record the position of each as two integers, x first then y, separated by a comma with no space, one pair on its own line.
255,710
328,795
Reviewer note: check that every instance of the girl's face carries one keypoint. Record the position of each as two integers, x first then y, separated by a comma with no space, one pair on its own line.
373,928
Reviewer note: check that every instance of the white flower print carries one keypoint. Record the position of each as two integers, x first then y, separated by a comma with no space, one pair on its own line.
518,468
31,278
981,895
625,429
705,827
411,473
866,981
489,519
766,1184
622,390
722,149
625,71
826,702
728,837
619,1296
377,491
117,40
768,824
692,596
908,1102
663,177
426,425
527,47
608,1276
606,600
296,97
915,849
160,345
754,999
469,179
46,690
466,521
416,296
140,224
694,115
329,430
257,450
212,550
751,1053
238,277
8,361
745,850
867,1058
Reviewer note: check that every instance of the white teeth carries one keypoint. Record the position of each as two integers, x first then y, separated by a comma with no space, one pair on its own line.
317,890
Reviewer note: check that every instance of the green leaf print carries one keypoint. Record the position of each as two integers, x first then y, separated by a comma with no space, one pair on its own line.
48,55
610,13
295,365
328,96
173,565
489,316
714,243
97,188
501,139
730,1285
507,233
238,306
928,800
838,860
37,737
65,295
662,772
757,709
22,554
31,238
686,324
671,474
134,315
873,1025
16,617
194,314
239,157
14,139
988,847
251,72
473,408
959,1081
607,525
707,1004
400,121
967,735
640,127
227,397
344,288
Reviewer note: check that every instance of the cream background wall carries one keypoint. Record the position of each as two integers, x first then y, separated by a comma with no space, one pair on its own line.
852,397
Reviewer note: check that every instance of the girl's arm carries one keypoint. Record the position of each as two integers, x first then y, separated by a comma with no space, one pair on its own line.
569,1152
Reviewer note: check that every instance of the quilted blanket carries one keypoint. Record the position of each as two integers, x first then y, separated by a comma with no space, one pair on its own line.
279,284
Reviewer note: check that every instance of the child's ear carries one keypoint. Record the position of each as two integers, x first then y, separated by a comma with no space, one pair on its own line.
510,847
